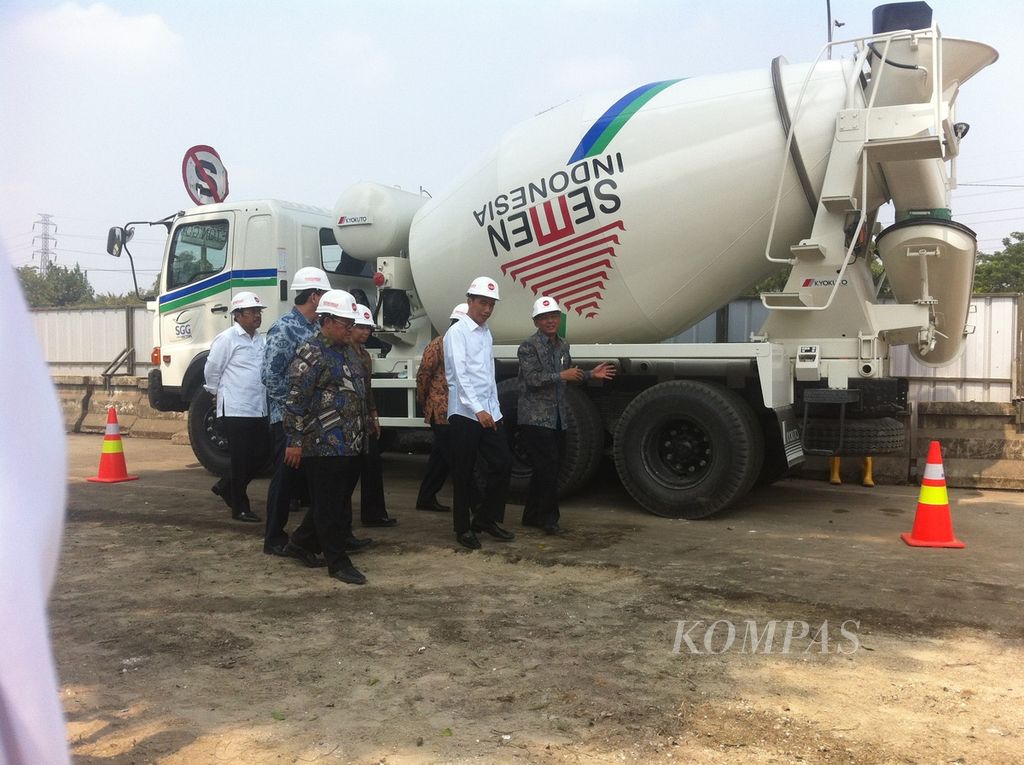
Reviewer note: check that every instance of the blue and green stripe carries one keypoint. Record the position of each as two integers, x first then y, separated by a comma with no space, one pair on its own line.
611,122
229,280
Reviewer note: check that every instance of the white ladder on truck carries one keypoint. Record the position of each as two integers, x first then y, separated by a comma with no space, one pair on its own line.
864,136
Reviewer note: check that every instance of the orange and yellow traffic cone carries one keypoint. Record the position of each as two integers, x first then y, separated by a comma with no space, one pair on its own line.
933,526
112,466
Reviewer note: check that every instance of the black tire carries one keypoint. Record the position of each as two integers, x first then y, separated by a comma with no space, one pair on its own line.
882,435
584,441
209,443
687,449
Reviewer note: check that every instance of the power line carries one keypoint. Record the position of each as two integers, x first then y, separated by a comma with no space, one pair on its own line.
123,271
1019,219
103,238
988,212
995,185
65,250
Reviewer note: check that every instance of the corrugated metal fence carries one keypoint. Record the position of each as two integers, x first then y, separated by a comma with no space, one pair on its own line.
989,369
86,342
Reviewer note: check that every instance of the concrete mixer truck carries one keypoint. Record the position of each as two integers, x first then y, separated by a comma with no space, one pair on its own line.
641,213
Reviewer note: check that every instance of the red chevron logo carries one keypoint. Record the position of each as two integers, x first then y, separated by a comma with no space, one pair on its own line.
572,268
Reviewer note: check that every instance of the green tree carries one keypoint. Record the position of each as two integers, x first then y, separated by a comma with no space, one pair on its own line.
1002,271
774,283
37,290
113,300
56,286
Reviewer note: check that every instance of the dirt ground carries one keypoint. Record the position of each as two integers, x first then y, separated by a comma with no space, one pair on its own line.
178,641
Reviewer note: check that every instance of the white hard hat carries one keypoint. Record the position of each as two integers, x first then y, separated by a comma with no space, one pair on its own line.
459,311
310,278
364,317
544,304
245,300
338,303
483,286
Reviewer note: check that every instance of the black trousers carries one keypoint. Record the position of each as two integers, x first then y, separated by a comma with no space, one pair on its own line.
471,441
371,484
328,522
286,484
438,464
545,447
249,447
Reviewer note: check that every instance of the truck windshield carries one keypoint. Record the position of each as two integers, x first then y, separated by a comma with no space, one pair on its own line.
337,261
197,251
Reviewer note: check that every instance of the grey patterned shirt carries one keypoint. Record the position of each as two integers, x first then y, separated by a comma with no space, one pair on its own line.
541,390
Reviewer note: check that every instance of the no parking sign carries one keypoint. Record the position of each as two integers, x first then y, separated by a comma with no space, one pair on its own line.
206,179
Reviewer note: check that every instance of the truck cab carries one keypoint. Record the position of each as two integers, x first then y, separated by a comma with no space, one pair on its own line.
212,252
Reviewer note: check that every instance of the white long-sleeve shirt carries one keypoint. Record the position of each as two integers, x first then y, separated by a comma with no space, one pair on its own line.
233,373
469,370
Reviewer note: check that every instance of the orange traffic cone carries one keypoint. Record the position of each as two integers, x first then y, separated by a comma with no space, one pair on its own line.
112,467
933,526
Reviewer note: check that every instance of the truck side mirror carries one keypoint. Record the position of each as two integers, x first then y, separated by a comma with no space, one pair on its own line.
115,241
117,238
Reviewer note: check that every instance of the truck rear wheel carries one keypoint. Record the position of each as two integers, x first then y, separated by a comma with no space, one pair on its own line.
209,443
687,449
584,441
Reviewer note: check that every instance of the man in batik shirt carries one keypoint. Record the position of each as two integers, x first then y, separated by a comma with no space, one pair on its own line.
324,423
287,334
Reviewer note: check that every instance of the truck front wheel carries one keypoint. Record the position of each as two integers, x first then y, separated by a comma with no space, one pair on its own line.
687,449
209,443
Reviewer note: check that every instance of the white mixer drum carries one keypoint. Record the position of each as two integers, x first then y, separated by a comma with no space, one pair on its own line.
640,213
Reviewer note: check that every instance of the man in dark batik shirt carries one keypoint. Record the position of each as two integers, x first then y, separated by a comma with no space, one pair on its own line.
545,368
283,338
324,423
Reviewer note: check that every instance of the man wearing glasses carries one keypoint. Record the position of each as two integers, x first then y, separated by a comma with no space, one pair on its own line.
287,334
232,375
325,428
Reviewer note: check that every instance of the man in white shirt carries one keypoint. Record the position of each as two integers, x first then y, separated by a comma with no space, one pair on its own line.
233,376
475,418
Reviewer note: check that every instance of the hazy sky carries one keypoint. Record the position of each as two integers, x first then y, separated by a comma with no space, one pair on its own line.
100,100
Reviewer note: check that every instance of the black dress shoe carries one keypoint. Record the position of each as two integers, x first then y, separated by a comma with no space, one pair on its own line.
349,575
381,523
353,544
247,516
495,531
278,550
554,531
433,505
468,539
304,556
